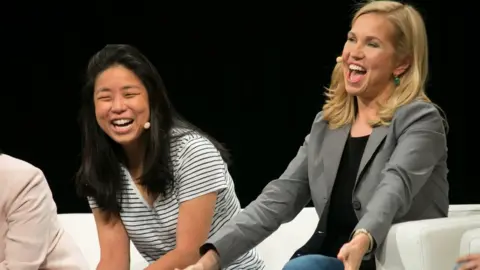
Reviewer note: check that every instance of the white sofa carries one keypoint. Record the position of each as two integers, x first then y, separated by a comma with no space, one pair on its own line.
432,244
419,245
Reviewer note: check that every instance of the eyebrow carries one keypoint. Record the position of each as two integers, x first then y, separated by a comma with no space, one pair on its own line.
368,37
106,89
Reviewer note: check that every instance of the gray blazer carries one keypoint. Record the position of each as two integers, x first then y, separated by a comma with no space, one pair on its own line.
402,177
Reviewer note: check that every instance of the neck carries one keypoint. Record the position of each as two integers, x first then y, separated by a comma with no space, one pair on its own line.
368,107
135,153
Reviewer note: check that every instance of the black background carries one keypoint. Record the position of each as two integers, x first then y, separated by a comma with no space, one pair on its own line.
252,77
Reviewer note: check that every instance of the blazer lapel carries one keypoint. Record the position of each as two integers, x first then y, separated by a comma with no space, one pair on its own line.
333,145
374,141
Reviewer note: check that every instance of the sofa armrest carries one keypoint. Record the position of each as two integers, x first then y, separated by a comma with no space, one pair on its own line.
470,243
461,210
432,244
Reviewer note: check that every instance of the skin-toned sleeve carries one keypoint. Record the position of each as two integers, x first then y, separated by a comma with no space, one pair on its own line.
30,214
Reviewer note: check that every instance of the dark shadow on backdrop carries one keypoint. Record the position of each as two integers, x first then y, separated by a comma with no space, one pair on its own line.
252,77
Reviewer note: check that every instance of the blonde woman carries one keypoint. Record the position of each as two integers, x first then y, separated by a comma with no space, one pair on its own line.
376,154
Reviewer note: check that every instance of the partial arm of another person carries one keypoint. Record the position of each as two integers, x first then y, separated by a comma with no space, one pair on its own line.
201,174
114,241
469,262
30,216
280,201
421,145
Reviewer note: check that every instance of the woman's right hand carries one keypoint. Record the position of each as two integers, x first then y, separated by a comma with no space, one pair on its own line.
209,261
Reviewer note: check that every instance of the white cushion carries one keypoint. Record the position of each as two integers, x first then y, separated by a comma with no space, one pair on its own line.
470,242
82,228
425,245
277,249
420,245
462,210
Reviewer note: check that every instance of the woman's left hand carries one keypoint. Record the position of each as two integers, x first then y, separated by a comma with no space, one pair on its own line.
352,253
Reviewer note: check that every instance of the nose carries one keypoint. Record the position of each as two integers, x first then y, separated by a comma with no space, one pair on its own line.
118,105
357,52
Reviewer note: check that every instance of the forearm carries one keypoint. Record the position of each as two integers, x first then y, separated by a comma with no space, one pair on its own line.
175,259
279,202
380,213
113,263
114,257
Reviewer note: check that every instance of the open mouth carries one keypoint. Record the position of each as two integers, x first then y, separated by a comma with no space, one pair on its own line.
356,73
122,122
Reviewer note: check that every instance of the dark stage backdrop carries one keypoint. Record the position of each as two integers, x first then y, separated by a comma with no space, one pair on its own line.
253,77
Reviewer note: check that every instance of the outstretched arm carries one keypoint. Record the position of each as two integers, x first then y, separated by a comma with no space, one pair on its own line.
280,202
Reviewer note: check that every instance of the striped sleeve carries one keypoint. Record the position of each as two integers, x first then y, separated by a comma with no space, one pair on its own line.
92,202
201,170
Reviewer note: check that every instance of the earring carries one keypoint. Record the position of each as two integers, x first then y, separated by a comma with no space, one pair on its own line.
396,80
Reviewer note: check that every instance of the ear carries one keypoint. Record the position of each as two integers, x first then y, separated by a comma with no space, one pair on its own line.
404,64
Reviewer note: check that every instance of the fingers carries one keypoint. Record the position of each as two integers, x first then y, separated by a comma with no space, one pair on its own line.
465,258
470,265
343,253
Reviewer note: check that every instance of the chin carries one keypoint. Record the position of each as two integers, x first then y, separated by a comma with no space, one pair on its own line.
124,139
355,90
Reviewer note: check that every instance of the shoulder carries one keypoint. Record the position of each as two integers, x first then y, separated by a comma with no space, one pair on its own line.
19,176
319,124
419,115
186,140
319,118
16,170
189,145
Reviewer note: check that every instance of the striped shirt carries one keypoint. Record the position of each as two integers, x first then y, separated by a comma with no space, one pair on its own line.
198,169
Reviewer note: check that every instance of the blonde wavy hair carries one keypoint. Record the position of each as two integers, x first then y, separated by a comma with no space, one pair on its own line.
410,41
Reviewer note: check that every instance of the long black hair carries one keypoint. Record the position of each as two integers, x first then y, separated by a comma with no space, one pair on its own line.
100,174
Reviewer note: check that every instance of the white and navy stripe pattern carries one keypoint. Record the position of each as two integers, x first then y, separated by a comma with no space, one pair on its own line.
198,169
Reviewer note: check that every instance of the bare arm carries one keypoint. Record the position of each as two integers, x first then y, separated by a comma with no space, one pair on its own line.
30,218
114,242
200,176
194,220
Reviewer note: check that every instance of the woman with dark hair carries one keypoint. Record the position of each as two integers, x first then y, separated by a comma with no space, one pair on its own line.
150,176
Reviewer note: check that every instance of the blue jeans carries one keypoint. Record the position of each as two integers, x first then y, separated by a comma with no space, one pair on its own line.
314,262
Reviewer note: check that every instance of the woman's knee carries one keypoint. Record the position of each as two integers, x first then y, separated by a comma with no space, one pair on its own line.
314,262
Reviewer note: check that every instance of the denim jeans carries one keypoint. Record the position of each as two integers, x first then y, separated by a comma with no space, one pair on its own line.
314,262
